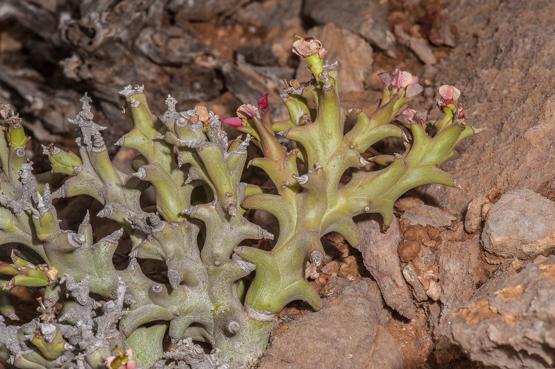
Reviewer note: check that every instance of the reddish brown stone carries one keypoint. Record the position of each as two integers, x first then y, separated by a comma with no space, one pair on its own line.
408,250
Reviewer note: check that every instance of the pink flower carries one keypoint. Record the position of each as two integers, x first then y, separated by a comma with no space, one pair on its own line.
403,79
246,111
449,94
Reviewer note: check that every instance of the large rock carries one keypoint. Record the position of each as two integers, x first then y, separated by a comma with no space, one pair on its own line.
510,322
366,18
521,224
503,65
344,334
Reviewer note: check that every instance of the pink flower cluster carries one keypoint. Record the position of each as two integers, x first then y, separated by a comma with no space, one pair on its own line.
247,111
401,81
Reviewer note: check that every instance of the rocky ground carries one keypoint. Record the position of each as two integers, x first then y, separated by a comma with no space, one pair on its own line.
462,279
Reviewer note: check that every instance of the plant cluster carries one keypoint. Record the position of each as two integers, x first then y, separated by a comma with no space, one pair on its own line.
218,291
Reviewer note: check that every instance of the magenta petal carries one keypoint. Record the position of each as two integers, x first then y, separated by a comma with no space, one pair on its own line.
235,122
263,103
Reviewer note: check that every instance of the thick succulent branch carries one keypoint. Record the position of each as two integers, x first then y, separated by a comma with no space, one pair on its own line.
318,206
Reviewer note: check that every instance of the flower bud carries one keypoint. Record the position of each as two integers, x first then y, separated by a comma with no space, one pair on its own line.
62,161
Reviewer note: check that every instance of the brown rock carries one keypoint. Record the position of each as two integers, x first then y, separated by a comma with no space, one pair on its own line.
473,217
418,46
521,224
261,55
506,77
416,233
547,189
460,270
379,251
412,278
351,51
508,323
434,290
268,14
485,210
366,18
405,203
344,334
422,50
428,215
433,233
430,243
425,261
437,27
349,268
408,250
331,268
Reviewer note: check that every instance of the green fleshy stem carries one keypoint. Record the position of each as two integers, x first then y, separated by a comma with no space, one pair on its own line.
65,162
50,350
280,274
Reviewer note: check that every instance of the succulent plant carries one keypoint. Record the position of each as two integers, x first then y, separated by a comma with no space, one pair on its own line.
197,227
